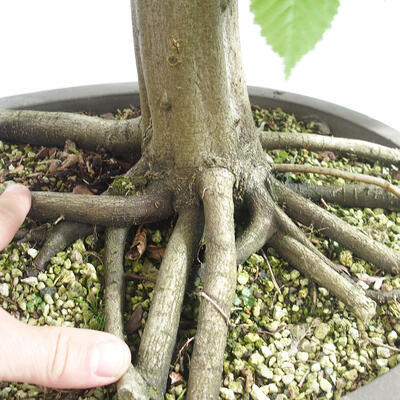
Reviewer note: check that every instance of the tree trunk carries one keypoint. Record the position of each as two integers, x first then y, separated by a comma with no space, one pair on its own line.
188,56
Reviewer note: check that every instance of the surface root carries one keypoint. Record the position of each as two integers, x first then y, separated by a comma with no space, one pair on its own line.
121,138
313,266
261,227
60,236
131,386
216,190
349,195
159,336
359,148
350,237
102,210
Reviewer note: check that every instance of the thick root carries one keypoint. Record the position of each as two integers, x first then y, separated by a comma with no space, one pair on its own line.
216,186
101,210
159,336
348,236
359,148
357,195
262,225
131,386
384,297
121,138
60,237
311,265
296,168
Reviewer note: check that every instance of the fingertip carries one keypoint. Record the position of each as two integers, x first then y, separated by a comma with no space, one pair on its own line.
21,191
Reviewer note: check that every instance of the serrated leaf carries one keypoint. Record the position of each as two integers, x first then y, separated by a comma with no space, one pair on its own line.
293,27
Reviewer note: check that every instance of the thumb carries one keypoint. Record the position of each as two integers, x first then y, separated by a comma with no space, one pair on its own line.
14,205
59,357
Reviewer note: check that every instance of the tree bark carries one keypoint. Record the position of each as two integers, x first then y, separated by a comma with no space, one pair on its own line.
195,88
312,142
219,284
121,138
348,236
350,195
101,210
158,340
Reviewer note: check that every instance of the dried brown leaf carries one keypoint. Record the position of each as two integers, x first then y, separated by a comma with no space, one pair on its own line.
69,162
327,154
155,253
135,321
176,378
107,115
81,189
138,246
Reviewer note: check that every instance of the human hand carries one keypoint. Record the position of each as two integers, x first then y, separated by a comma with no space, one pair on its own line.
52,356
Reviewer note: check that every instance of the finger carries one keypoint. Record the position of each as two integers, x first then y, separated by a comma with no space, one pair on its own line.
55,357
15,203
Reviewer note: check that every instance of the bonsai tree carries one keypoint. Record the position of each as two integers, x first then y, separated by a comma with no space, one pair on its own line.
202,157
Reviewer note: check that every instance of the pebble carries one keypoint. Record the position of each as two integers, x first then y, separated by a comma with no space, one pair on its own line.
31,281
321,331
4,289
325,385
257,393
227,393
383,352
48,299
32,252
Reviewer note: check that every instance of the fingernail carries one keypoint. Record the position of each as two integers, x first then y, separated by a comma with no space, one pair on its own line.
111,359
11,186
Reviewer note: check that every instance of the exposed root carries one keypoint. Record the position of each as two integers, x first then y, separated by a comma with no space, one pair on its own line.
131,386
288,227
296,168
307,262
159,336
348,236
262,224
101,210
60,236
384,297
121,138
219,283
313,142
35,235
357,195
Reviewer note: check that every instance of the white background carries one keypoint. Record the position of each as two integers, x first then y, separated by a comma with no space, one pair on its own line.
48,44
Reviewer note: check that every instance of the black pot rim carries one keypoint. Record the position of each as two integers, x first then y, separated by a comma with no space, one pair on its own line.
342,121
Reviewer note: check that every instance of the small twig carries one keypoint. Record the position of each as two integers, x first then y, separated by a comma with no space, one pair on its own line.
133,277
324,204
217,307
183,348
384,297
372,341
296,168
272,273
303,378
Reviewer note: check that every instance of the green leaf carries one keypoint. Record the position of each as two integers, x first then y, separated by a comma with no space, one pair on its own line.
293,27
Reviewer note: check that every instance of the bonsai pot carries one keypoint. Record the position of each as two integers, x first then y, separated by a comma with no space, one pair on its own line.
341,121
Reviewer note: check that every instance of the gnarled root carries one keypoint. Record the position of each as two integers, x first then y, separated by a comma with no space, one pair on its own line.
219,284
102,210
350,195
360,148
158,339
121,138
131,386
313,266
59,237
261,227
362,245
